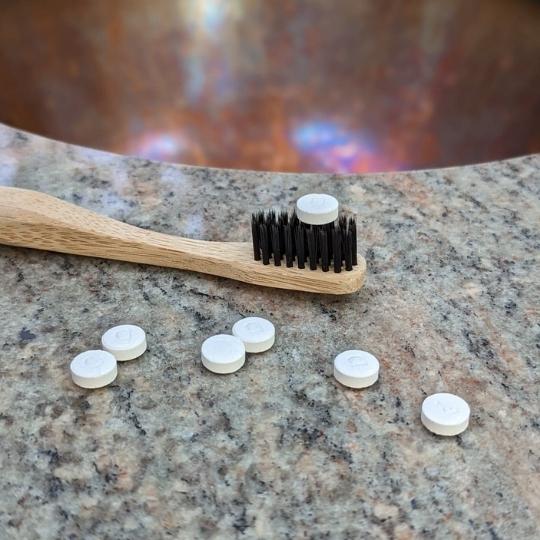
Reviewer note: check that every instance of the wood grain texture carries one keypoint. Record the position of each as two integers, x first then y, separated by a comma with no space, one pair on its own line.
36,220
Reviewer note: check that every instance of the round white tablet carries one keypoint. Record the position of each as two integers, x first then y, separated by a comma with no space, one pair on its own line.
445,414
317,209
223,354
126,341
256,333
93,369
356,369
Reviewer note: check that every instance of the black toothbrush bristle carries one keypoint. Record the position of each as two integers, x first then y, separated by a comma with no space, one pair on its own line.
289,253
312,248
300,247
337,250
324,250
276,247
352,227
256,238
263,231
279,235
347,251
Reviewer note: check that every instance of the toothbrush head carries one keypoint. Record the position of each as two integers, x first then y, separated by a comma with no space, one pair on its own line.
280,237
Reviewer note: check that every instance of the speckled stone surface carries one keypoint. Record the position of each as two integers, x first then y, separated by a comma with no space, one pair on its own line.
278,449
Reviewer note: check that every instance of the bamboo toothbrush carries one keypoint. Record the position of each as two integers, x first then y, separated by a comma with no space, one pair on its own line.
36,220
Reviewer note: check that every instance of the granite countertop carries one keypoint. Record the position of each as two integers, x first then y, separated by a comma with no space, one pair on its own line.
278,449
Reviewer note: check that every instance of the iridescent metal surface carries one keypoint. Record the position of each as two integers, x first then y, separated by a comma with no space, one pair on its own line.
341,86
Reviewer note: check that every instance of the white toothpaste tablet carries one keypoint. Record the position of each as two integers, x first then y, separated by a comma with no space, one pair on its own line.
317,209
445,414
93,369
257,334
223,354
356,369
126,341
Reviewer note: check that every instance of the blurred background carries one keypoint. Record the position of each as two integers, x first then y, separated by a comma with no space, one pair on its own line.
314,85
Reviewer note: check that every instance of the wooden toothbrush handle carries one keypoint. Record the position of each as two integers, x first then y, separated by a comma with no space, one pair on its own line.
36,220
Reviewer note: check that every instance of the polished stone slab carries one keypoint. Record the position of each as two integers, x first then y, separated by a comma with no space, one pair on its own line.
278,449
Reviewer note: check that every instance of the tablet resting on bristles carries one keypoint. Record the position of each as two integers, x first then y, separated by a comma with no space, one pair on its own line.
282,237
